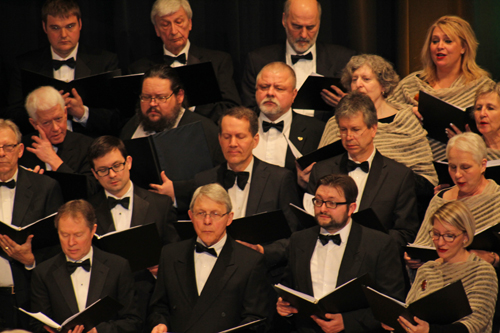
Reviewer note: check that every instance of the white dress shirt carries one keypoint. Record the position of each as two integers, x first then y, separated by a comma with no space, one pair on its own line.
81,281
141,133
273,144
185,50
239,197
7,197
122,217
325,262
205,262
360,178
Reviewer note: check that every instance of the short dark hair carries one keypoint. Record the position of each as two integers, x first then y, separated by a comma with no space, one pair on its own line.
165,72
241,112
355,102
60,8
341,182
76,209
104,145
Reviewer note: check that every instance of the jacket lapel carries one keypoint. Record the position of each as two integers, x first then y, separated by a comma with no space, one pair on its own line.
353,257
98,274
63,280
22,198
297,138
186,276
139,211
82,69
305,250
375,179
257,185
105,223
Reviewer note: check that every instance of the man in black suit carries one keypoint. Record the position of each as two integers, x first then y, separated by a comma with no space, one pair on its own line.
161,109
301,20
282,130
384,185
25,197
172,22
209,283
82,274
66,60
317,266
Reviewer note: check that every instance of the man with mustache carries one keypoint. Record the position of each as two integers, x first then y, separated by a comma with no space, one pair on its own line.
301,20
281,130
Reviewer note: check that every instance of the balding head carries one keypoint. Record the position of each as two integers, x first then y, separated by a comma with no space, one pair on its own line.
301,20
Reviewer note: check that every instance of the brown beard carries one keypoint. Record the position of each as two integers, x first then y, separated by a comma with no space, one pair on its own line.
160,125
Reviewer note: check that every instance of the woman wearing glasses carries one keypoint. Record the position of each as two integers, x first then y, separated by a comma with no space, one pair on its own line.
451,231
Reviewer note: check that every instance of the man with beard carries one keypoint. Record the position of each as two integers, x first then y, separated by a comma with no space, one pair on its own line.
317,266
161,109
282,130
301,20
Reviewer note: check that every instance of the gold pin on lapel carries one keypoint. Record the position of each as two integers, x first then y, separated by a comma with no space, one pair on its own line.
300,138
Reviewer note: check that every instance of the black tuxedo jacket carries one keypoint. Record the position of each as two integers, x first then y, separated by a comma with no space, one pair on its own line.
223,68
211,132
389,191
236,291
53,294
331,59
367,251
148,208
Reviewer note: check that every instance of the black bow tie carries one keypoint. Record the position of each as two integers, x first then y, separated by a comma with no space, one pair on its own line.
351,166
297,57
71,63
200,248
267,125
10,184
181,58
324,239
112,202
72,266
230,176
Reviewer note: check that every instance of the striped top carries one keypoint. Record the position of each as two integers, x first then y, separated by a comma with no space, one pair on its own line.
461,94
485,208
402,140
492,154
480,283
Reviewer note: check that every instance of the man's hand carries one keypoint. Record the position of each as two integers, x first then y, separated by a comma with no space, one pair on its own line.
303,175
335,323
74,104
167,188
36,169
153,270
160,328
21,253
387,328
331,98
422,326
284,308
256,247
412,263
43,149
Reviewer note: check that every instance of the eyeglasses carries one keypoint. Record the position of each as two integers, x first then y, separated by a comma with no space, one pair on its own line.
214,216
158,99
102,172
448,238
354,133
9,148
329,204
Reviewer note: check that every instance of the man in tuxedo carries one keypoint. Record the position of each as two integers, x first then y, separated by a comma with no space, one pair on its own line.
25,197
384,185
161,109
67,59
82,274
209,283
172,22
281,130
317,266
301,20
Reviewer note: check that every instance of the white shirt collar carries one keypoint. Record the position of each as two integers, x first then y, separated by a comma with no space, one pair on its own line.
217,246
370,159
87,256
127,194
286,117
73,54
184,50
290,51
248,169
344,232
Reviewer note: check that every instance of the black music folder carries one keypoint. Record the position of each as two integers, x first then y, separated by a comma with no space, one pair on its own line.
487,239
309,95
44,231
345,298
245,328
140,245
260,228
73,186
323,153
441,307
200,83
438,115
181,152
125,91
185,229
422,252
307,220
100,311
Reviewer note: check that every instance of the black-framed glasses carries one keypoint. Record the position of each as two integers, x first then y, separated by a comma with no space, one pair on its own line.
448,238
213,215
158,99
117,167
9,148
329,204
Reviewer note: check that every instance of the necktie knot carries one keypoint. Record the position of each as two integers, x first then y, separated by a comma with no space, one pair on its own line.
266,126
297,57
180,58
10,184
324,239
112,202
351,166
241,177
200,248
72,266
71,63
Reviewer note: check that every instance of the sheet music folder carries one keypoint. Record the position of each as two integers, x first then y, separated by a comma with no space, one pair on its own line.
140,245
200,83
309,95
441,307
73,186
323,153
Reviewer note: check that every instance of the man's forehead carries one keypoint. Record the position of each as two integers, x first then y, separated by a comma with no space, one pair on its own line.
172,16
230,123
53,112
156,83
7,134
355,119
326,192
65,19
276,76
